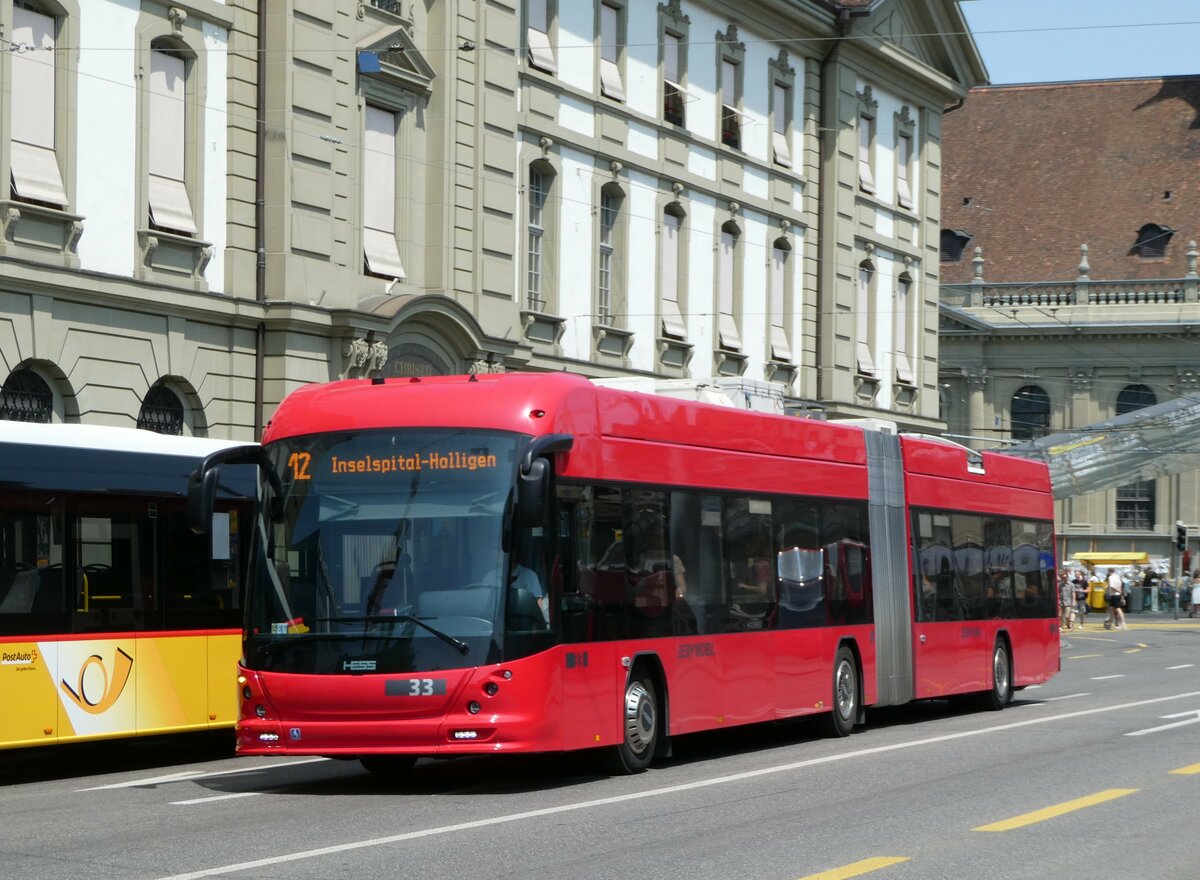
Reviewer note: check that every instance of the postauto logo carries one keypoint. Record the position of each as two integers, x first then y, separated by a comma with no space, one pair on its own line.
96,690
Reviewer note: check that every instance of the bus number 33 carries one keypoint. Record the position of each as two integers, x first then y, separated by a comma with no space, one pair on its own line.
415,687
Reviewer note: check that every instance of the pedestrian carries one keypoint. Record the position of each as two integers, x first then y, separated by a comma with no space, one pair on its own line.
1081,596
1195,609
1114,598
1066,601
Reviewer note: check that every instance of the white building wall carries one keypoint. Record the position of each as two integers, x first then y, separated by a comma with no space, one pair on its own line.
641,277
576,246
577,116
756,97
643,140
107,136
576,45
755,256
702,162
701,283
795,329
701,114
641,58
884,168
881,344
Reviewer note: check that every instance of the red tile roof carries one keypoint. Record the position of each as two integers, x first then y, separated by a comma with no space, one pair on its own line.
1032,172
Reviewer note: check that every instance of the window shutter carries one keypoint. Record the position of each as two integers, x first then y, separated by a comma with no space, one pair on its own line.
866,179
779,139
780,349
170,206
379,194
726,325
672,319
35,172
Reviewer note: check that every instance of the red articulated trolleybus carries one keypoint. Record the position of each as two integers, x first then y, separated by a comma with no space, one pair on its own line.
535,563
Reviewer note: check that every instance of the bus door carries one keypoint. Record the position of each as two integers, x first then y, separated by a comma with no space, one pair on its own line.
949,651
32,613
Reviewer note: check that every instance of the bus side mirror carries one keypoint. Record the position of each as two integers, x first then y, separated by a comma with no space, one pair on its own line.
533,477
202,497
533,493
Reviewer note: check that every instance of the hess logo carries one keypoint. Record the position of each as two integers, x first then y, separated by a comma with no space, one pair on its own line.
97,690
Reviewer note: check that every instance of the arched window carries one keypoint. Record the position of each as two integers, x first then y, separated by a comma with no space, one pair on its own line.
26,397
1030,413
864,294
728,285
610,257
1136,501
1134,397
162,411
540,220
781,251
671,292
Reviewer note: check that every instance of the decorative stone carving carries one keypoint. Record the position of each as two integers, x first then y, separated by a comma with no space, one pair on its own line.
356,352
377,357
484,365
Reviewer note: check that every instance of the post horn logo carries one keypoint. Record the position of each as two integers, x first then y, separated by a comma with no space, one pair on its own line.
86,697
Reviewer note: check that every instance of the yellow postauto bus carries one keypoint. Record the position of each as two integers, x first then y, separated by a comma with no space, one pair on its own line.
115,619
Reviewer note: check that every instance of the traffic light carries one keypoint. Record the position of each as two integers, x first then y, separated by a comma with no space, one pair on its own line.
1180,536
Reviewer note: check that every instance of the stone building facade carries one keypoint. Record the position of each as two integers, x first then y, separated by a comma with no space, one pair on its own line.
1069,280
213,203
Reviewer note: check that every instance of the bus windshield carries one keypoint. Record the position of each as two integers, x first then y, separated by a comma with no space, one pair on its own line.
382,551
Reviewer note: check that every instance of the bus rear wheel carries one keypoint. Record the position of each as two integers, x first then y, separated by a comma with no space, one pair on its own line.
639,726
845,694
387,765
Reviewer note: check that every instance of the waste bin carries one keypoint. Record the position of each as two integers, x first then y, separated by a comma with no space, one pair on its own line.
1096,598
1139,599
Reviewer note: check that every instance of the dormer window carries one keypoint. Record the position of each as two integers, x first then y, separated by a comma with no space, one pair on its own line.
952,245
1152,241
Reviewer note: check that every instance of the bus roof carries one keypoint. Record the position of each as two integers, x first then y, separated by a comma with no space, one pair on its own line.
108,437
70,457
545,403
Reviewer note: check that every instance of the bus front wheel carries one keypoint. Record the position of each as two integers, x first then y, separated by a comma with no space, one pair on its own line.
845,694
639,727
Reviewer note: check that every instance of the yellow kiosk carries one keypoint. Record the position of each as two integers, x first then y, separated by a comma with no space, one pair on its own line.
1105,561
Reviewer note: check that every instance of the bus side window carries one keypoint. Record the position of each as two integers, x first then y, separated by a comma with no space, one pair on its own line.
595,610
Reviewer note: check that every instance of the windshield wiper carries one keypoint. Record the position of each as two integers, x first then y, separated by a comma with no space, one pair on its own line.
450,640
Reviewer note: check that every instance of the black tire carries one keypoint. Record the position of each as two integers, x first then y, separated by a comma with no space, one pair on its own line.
1001,691
387,765
844,704
639,726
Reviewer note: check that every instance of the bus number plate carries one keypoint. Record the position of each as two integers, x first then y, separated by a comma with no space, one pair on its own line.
415,687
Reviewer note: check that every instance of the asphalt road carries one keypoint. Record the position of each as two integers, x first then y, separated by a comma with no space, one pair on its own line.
1094,775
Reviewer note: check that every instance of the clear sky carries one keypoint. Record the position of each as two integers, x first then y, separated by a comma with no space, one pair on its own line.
1053,40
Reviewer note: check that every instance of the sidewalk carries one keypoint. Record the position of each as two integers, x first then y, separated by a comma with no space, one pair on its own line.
1141,620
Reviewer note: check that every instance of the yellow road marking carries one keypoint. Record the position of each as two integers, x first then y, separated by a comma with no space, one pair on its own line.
1084,656
1187,771
1057,810
858,868
1132,651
